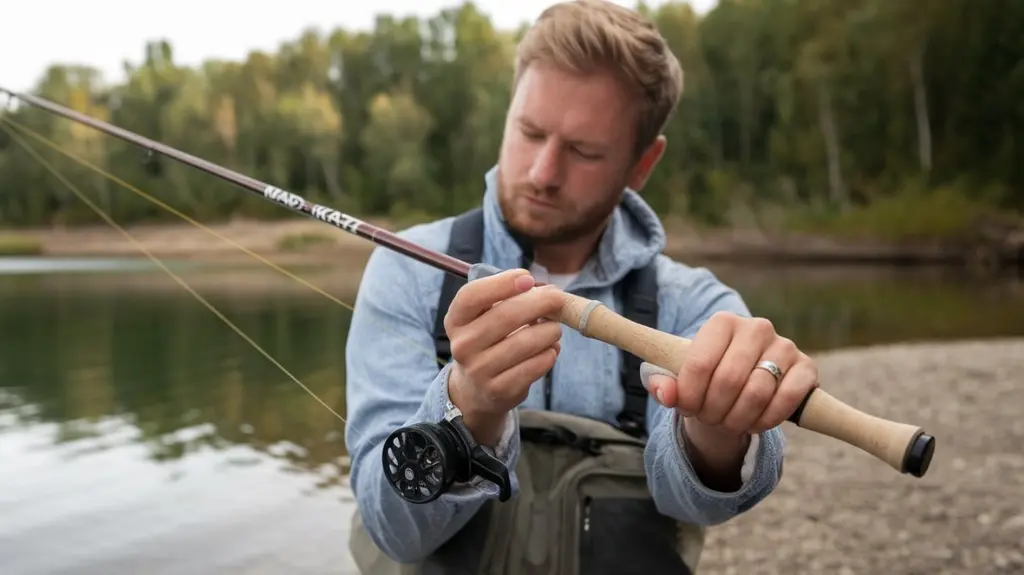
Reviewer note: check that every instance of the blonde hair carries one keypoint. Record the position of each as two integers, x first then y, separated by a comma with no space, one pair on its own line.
586,35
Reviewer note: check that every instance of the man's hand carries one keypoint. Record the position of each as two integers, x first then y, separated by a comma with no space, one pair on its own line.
501,345
724,397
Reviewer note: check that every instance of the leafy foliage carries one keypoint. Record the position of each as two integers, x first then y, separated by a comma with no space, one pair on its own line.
828,110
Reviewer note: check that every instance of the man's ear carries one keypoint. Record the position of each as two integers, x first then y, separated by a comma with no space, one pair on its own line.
648,160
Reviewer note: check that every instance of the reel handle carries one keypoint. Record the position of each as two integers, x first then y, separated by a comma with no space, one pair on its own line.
904,447
479,463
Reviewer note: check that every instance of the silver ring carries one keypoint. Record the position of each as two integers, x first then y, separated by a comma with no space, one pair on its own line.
772,368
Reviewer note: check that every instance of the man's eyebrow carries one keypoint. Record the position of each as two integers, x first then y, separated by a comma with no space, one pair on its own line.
600,145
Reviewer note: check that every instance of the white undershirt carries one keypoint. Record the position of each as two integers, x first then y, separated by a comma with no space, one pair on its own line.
541,274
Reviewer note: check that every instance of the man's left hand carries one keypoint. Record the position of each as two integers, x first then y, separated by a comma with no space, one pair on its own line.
725,397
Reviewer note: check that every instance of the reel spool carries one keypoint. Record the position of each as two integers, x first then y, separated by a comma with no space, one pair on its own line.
422,461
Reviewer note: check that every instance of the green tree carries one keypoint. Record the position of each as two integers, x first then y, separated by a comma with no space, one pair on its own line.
818,109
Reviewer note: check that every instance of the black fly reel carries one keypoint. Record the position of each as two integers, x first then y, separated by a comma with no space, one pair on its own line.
423,460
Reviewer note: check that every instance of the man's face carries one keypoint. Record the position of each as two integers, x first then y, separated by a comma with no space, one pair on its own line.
566,153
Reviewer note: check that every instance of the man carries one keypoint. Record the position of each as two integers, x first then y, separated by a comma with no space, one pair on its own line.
594,87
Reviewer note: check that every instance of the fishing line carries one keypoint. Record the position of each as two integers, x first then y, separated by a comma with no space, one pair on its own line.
417,452
457,454
99,211
203,227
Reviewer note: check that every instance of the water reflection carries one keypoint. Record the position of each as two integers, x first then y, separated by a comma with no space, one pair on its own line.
164,364
80,352
830,307
136,424
30,265
99,505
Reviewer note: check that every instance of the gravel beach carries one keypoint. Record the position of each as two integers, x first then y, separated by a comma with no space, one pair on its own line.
841,511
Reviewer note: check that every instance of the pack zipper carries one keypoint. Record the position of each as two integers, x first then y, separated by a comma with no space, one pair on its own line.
547,390
585,535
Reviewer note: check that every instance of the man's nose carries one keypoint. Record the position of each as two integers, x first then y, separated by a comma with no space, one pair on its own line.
546,171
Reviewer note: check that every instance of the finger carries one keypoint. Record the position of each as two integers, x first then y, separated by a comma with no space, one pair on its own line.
513,385
659,382
795,385
703,354
751,403
521,345
557,345
535,322
761,386
747,347
537,305
501,321
477,296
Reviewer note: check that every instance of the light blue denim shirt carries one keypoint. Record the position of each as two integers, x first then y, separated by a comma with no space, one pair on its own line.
392,378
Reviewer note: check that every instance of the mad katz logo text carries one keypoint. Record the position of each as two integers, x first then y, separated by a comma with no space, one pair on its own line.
286,199
322,213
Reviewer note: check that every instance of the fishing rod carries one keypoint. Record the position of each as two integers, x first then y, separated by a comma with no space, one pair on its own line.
421,461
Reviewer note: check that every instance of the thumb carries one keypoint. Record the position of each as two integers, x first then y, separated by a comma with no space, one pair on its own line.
659,382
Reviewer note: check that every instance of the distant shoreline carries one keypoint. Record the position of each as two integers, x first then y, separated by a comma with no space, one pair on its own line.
307,242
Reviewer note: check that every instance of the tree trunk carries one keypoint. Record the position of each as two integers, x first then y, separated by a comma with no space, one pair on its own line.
311,165
330,169
746,116
710,88
924,132
826,118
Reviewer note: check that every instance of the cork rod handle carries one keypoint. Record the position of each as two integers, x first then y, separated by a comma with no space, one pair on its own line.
904,447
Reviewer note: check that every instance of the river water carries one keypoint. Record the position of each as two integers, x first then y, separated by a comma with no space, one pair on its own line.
140,434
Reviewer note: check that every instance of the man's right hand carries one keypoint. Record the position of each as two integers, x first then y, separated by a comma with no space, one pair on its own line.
501,343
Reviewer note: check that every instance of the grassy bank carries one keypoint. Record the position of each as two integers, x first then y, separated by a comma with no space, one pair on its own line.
943,215
944,225
956,224
19,245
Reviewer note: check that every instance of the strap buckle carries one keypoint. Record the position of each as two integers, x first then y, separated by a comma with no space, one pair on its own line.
558,435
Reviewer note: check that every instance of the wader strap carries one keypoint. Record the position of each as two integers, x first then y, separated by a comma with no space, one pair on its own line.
638,292
466,244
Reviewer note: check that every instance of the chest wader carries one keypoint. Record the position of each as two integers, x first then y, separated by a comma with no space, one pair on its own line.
583,506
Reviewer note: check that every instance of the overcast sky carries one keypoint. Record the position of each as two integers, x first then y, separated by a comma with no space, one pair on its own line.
104,33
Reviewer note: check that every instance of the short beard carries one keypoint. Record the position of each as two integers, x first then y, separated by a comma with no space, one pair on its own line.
580,225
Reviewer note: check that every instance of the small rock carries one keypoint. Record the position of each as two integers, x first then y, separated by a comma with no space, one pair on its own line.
1015,522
